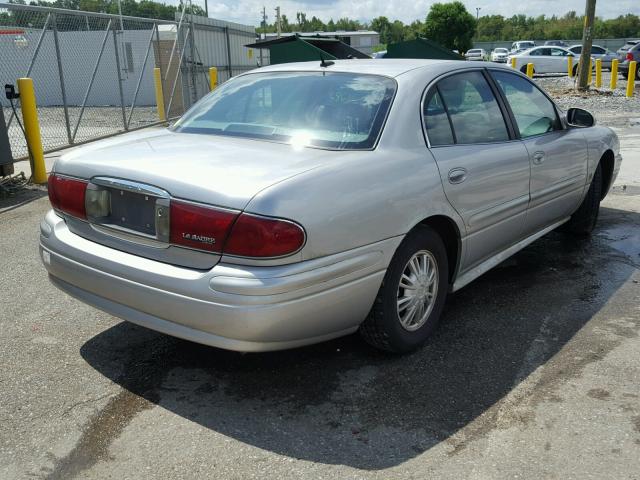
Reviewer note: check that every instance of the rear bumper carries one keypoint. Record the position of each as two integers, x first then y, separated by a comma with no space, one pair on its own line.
234,307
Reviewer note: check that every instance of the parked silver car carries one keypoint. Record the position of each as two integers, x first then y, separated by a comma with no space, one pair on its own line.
301,202
597,53
476,55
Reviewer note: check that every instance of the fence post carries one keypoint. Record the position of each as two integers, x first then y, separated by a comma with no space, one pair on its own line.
631,78
61,74
213,78
32,128
614,74
226,32
598,73
115,49
157,77
570,66
530,70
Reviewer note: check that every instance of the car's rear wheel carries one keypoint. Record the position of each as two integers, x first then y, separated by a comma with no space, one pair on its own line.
411,296
583,221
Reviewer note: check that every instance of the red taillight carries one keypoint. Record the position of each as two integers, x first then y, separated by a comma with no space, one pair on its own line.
255,236
630,56
199,226
67,195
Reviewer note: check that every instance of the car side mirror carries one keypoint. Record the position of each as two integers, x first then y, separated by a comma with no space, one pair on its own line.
577,117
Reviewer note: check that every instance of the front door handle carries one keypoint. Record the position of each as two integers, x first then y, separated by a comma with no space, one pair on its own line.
538,158
457,175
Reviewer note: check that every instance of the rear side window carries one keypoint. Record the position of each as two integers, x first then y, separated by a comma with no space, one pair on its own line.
436,121
534,112
472,108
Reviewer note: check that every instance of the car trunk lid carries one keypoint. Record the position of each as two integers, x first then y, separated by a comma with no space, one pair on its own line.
134,178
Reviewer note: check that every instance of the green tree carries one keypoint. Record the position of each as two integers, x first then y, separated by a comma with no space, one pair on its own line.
451,25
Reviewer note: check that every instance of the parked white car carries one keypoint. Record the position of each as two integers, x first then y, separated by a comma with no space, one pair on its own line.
597,52
499,55
477,55
522,45
544,59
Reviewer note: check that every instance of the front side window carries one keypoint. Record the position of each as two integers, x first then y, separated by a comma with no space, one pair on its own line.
472,108
328,110
533,111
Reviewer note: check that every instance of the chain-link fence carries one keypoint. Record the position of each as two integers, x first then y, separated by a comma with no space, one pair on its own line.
93,73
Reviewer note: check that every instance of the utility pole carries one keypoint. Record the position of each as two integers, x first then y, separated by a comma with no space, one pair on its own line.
278,26
587,41
264,20
478,12
206,8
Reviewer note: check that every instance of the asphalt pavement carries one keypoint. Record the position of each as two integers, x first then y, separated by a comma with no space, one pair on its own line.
533,373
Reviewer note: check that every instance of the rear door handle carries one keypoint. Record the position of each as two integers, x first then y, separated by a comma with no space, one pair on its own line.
538,158
457,175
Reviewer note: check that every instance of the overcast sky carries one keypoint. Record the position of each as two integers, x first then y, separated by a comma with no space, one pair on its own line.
249,11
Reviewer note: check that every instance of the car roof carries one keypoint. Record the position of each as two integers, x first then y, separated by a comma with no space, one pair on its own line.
391,67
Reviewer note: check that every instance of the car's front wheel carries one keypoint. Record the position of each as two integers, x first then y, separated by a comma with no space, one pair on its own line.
583,220
411,296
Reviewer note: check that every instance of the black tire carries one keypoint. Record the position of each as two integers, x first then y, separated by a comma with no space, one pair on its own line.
625,76
583,221
382,328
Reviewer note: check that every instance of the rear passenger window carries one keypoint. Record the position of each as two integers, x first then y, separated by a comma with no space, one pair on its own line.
436,121
473,109
534,112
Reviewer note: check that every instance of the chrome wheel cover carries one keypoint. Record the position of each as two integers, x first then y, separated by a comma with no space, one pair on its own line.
417,290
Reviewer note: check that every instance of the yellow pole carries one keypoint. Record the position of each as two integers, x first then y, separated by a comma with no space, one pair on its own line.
513,62
614,74
32,128
213,78
590,72
631,79
530,70
570,66
598,73
159,95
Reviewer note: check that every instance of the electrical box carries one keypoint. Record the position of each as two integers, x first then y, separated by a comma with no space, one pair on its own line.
6,158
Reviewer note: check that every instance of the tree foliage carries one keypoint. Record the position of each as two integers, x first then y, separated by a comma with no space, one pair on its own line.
566,27
451,25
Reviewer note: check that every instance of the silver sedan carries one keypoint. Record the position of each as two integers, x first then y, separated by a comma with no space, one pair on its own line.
301,202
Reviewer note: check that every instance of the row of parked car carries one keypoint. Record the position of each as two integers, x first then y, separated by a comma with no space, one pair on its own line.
552,56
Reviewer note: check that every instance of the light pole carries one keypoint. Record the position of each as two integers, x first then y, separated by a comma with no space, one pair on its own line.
478,12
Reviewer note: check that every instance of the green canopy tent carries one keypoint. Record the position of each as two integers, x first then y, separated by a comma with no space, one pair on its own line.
297,48
420,48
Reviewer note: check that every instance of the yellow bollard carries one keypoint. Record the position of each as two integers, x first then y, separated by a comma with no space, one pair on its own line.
570,66
589,77
213,78
32,128
530,70
159,95
614,74
513,62
631,79
598,73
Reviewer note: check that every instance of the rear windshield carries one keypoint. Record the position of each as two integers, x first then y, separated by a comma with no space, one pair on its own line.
322,109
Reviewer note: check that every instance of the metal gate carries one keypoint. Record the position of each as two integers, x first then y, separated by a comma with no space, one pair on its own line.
93,72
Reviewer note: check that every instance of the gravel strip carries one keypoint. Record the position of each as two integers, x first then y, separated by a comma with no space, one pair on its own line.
610,107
